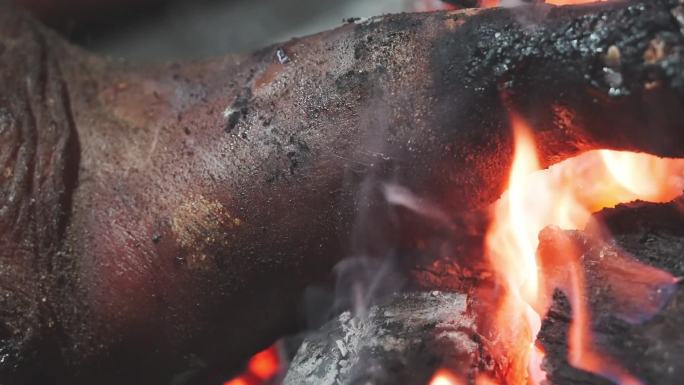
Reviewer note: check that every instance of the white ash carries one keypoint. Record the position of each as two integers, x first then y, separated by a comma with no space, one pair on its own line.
381,346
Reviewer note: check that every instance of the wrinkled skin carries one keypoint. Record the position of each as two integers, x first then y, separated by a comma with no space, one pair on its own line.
159,221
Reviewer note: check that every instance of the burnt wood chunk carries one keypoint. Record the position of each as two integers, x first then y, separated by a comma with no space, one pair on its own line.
652,349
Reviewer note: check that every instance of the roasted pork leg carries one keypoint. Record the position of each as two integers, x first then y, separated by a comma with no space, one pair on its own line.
163,220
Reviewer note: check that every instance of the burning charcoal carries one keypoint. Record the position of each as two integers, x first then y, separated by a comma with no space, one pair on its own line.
401,342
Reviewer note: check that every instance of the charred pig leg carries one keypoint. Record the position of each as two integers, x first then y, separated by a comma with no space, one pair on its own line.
161,219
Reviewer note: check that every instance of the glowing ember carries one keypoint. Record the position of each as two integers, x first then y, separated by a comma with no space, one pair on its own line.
445,377
264,364
238,381
564,195
484,380
261,368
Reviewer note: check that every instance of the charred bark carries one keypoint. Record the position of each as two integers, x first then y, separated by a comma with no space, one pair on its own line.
182,209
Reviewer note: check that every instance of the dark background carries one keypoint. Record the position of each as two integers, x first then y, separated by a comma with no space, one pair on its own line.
161,30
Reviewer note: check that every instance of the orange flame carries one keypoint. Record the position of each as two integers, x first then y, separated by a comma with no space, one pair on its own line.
565,195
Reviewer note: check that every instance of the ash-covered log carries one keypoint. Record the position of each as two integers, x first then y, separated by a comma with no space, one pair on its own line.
402,341
161,220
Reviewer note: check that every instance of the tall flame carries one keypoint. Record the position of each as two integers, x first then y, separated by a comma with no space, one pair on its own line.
564,195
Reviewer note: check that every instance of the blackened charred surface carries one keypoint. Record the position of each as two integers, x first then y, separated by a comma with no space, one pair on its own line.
352,81
654,349
583,77
554,337
650,231
238,109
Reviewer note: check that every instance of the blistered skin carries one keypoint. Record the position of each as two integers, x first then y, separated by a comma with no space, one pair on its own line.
39,156
164,220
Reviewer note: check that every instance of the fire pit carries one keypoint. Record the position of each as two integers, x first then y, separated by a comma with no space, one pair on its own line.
610,268
491,195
